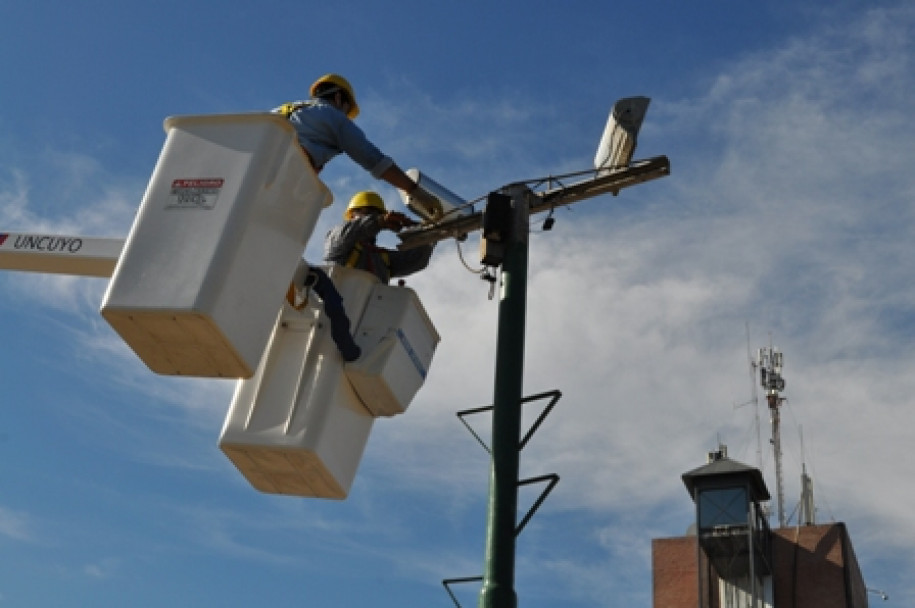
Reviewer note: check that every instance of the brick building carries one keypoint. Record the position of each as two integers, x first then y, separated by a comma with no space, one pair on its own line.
735,561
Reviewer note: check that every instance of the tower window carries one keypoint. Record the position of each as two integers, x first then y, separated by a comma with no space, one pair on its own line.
722,507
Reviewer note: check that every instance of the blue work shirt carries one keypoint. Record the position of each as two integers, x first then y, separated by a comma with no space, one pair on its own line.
324,132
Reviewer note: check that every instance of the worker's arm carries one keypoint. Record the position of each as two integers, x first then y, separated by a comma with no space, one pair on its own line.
407,262
400,180
420,201
353,141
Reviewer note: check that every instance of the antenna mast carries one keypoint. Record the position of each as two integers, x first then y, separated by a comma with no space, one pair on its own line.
755,401
770,363
807,515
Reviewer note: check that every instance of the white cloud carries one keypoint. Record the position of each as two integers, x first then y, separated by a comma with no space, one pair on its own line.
15,524
103,569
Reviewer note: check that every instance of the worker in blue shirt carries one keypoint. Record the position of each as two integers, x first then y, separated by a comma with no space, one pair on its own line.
325,128
352,243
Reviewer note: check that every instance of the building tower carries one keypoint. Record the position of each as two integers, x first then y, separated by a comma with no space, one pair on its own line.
732,532
734,560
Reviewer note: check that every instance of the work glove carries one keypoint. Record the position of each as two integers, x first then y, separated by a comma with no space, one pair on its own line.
393,220
424,204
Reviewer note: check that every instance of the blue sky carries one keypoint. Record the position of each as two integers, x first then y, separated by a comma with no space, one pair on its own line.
789,210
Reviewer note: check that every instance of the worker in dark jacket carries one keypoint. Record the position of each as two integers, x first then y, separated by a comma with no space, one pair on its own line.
352,243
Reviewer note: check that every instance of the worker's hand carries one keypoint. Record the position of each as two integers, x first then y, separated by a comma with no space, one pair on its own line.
393,220
424,204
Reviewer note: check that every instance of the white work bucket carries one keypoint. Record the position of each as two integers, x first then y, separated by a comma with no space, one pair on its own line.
226,216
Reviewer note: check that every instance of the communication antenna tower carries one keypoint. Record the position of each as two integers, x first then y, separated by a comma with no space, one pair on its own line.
770,362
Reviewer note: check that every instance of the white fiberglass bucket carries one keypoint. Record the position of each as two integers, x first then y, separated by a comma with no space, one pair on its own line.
227,213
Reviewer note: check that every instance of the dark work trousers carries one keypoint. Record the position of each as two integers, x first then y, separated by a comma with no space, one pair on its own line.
321,284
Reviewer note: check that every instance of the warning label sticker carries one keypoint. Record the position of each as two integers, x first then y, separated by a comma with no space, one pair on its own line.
196,193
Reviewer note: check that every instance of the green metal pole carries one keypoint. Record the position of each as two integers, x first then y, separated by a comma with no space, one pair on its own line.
499,562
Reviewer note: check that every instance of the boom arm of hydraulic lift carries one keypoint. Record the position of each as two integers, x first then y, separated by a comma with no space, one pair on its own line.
76,255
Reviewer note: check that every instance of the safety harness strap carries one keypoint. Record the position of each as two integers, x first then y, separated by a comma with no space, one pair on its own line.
353,260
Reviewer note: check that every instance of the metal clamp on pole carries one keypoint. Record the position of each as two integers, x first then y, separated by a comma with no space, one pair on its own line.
498,229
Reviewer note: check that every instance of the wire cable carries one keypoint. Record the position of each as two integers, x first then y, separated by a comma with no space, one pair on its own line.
464,262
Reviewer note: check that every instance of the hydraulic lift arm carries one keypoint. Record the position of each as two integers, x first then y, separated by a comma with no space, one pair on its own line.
76,255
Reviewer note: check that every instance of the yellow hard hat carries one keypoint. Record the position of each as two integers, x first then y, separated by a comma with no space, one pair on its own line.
344,84
362,200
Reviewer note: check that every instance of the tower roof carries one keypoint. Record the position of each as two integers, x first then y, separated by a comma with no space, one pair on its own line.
724,469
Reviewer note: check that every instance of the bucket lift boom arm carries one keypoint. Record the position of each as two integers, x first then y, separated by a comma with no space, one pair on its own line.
76,255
